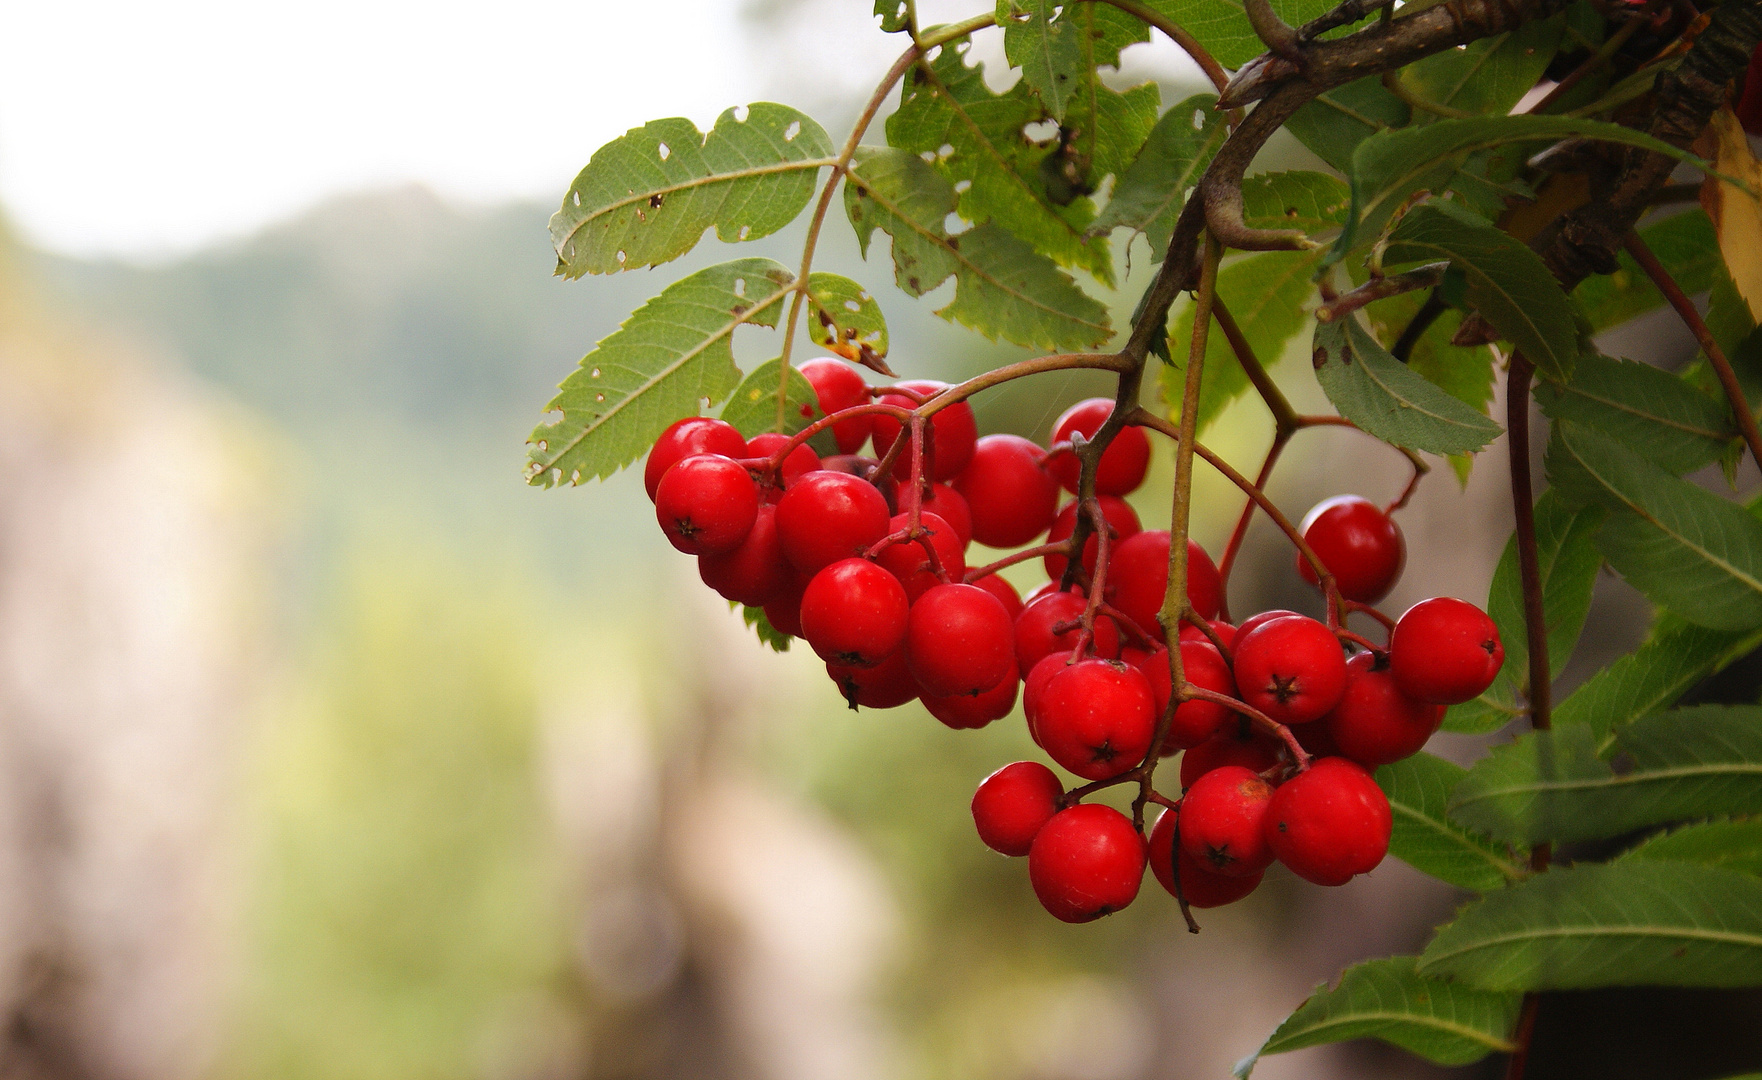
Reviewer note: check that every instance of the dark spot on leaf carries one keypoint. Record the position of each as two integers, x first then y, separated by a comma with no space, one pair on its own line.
1622,764
913,282
739,309
1319,358
655,201
954,243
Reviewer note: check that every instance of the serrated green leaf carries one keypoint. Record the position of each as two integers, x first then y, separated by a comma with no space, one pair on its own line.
1490,75
1424,838
1551,785
1223,28
1308,201
1003,288
1149,195
1268,294
647,197
1379,394
895,15
844,318
1463,372
771,399
1044,47
1647,410
1386,999
668,358
1674,658
1333,125
1507,282
1390,166
756,618
1567,552
1625,924
1684,243
1687,549
1735,845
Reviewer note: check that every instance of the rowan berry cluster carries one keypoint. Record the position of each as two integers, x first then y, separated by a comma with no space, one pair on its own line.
1279,719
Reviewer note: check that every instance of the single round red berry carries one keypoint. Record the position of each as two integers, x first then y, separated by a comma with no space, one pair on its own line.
1117,512
998,586
838,387
755,571
887,685
1291,669
692,435
1138,576
1154,664
1247,625
854,613
1034,688
1375,723
1358,543
799,462
1086,862
1035,636
910,563
1199,887
976,710
1013,804
1222,816
1012,496
1196,721
948,438
949,505
1224,631
829,516
706,504
959,641
1445,651
1122,466
1239,743
1096,718
1329,822
866,468
783,610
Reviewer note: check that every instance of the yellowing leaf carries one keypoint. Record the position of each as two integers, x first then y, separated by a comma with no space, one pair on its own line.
1736,214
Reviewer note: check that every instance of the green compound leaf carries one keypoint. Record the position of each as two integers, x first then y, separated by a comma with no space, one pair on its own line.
1567,551
1685,244
1490,75
1223,28
756,618
1632,923
1550,785
1735,845
1687,549
1651,412
753,408
1268,294
1424,838
671,355
1003,288
1507,282
1148,196
1335,123
646,197
1379,394
1441,1021
844,318
1391,165
1674,658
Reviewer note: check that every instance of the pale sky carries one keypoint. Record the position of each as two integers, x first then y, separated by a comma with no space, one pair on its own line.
146,130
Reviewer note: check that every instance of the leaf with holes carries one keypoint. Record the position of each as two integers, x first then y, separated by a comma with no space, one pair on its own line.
647,197
1686,548
1044,47
1626,924
1674,658
1387,999
772,399
1684,243
669,356
1222,26
1149,194
1647,410
1426,839
845,319
1735,845
1379,394
1003,288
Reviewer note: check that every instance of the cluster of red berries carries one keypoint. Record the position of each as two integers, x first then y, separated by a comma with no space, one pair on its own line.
867,562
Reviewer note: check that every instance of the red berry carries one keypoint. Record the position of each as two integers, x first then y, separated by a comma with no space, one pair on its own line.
977,710
838,386
1096,718
959,641
1199,887
1291,669
755,571
1224,631
1237,744
1006,593
1154,664
829,516
1358,543
1012,496
1329,822
800,461
1317,741
909,562
1086,862
1222,816
1375,723
1116,512
1445,651
1196,721
692,435
1122,466
706,504
1013,804
887,685
854,613
1244,627
783,610
1138,576
1035,637
948,438
865,468
949,505
1034,688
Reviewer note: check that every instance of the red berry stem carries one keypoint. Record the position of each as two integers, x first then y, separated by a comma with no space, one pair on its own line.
1261,720
1203,625
1175,867
1137,633
1240,532
775,461
1387,621
1057,547
1098,578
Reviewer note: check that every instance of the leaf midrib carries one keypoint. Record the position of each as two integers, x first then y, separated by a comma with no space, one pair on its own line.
1422,410
1472,1034
1611,782
1619,406
1733,937
1459,839
694,182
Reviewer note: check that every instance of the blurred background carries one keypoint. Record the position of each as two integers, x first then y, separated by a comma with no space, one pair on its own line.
329,749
